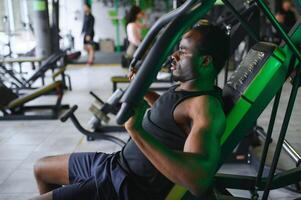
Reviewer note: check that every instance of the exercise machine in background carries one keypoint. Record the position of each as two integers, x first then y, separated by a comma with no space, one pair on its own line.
14,107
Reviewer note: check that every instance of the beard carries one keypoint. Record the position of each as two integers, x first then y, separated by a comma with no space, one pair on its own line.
183,76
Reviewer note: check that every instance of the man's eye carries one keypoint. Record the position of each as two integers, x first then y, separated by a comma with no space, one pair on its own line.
181,52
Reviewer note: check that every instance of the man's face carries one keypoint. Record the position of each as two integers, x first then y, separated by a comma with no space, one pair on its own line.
187,60
286,6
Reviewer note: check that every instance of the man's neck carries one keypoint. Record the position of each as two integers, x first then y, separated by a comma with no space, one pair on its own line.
197,85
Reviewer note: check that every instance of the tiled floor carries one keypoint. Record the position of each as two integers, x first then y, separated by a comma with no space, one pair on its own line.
23,142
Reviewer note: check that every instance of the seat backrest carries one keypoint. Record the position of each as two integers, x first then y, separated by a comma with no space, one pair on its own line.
249,90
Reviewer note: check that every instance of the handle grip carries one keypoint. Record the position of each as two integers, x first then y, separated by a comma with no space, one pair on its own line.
68,113
124,113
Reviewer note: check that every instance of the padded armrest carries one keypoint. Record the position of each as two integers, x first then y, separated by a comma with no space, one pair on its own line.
39,92
120,79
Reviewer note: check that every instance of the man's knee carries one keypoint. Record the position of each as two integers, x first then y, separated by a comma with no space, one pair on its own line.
40,167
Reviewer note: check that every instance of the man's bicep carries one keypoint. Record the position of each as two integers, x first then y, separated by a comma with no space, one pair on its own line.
196,139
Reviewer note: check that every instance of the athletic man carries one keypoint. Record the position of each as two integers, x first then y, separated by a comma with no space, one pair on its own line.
175,141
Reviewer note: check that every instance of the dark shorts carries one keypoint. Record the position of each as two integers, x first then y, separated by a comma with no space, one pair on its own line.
90,41
94,176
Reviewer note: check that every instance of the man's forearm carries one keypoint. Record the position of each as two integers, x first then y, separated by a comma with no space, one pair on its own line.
150,97
181,168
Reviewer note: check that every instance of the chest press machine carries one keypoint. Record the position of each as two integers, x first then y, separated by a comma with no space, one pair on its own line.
257,80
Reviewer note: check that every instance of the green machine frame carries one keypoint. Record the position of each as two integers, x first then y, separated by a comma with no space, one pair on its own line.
267,83
276,64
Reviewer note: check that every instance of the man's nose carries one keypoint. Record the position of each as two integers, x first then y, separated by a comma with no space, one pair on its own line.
175,56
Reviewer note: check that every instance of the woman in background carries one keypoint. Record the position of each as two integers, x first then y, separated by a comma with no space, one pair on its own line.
133,29
88,31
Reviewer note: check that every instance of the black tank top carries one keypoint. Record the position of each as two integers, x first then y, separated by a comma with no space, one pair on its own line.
159,122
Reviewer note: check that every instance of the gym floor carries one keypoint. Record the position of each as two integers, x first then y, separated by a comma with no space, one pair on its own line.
23,142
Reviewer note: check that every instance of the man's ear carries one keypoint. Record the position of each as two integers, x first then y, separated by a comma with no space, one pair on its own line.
207,60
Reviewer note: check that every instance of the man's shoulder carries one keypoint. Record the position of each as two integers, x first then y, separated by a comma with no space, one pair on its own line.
208,106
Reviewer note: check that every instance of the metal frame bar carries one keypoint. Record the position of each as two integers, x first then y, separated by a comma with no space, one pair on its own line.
242,182
101,134
268,136
21,115
282,134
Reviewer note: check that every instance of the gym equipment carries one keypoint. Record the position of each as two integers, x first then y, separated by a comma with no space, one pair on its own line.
100,111
258,79
124,79
54,62
13,106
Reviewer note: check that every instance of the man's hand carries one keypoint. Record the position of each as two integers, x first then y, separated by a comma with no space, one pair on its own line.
132,73
134,124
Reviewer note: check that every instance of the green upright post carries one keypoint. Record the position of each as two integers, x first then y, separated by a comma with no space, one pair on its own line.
116,5
42,28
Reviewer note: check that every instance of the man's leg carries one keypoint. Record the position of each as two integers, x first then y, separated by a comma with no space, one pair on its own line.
51,172
47,196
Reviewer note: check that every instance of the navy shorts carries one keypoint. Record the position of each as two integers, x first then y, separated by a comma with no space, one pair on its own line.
94,176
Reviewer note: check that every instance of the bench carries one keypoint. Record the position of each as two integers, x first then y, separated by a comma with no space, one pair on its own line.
124,79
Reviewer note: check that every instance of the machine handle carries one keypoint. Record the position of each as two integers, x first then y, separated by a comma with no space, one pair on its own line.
96,97
125,112
68,113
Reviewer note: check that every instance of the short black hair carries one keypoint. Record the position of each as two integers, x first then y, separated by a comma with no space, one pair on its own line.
88,5
214,42
132,14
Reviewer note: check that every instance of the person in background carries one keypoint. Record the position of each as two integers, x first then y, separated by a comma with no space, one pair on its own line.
133,29
88,32
289,15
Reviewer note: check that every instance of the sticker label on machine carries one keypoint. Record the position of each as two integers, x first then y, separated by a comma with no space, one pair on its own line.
247,70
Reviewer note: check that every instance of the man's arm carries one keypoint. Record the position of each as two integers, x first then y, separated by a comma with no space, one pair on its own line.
193,168
151,96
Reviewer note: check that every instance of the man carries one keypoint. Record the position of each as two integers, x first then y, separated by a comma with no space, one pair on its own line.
175,141
289,15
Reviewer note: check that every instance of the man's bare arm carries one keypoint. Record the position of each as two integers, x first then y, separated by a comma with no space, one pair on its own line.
193,168
150,97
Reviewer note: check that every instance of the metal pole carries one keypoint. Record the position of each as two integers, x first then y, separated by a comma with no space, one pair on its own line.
42,28
116,4
55,27
268,136
11,18
282,134
291,152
